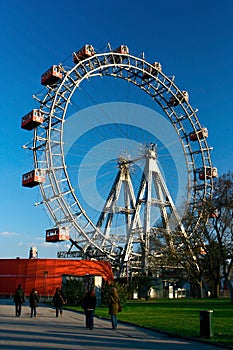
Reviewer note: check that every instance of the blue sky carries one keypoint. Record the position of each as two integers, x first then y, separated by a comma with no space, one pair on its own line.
192,40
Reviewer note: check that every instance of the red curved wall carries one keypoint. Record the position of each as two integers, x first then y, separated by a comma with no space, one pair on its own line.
46,274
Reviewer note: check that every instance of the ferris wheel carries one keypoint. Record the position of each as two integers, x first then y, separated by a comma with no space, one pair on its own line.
98,157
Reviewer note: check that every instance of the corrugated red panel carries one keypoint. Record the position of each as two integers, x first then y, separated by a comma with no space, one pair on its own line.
46,274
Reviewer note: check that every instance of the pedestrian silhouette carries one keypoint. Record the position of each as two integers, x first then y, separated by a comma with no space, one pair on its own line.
19,299
58,301
89,305
113,305
33,301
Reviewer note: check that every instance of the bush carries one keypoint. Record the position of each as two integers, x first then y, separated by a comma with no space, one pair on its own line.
73,290
120,287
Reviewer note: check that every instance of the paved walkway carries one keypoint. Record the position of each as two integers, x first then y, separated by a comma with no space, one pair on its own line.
68,332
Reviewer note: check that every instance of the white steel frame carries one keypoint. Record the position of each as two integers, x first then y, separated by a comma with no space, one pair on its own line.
58,193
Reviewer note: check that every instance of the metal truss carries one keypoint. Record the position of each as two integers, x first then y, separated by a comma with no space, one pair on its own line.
58,194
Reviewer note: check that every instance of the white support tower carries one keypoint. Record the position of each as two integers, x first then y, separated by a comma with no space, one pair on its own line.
122,187
150,210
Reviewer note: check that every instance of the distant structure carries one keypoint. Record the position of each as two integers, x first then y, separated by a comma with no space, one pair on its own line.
33,254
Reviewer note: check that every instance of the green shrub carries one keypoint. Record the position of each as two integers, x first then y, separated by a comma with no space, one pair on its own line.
73,290
120,287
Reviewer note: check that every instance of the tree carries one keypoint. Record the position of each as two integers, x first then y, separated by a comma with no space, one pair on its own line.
218,232
205,252
182,250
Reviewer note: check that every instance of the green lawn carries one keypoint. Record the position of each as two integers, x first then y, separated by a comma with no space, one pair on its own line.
179,316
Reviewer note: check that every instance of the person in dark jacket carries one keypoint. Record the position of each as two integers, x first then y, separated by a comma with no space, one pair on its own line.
89,305
33,301
113,306
58,301
19,299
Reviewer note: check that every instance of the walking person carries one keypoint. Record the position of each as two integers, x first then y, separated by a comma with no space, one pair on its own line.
89,305
58,301
113,305
19,299
33,301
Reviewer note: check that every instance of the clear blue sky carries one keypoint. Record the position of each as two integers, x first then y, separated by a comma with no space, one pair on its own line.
192,40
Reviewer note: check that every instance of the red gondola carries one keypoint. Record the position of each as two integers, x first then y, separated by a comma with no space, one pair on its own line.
214,214
57,234
51,76
32,119
33,178
157,67
208,173
199,134
123,50
85,52
202,251
180,98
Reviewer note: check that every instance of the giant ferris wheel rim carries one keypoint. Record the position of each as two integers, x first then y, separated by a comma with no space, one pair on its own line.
130,68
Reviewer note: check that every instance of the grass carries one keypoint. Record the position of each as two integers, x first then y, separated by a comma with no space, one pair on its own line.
179,316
